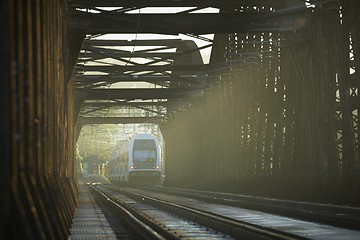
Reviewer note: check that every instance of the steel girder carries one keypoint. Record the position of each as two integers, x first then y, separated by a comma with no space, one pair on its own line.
91,79
124,103
118,120
139,93
164,3
279,21
143,67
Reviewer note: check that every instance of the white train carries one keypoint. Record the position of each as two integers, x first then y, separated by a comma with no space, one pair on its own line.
139,163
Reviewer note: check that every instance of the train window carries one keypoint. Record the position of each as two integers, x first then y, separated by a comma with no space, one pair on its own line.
144,144
145,155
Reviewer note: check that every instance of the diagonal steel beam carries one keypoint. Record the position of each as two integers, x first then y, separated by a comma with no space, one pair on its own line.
144,67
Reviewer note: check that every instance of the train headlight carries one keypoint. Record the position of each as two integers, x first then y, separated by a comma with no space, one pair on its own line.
157,167
131,167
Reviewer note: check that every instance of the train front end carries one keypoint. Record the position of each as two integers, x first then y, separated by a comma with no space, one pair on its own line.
144,159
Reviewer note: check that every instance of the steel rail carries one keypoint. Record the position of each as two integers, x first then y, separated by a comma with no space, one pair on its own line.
234,228
134,221
339,216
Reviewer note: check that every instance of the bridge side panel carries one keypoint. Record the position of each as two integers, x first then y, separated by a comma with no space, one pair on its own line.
41,194
282,120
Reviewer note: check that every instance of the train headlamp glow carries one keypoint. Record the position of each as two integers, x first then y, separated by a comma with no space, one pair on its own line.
157,166
131,167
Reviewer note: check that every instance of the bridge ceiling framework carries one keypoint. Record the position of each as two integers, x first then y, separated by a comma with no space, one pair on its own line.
283,120
172,63
162,76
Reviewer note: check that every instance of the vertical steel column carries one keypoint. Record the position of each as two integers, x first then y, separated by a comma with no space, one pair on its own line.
346,30
5,170
351,9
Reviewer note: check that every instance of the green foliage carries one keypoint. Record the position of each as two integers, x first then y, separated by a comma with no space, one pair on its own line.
97,140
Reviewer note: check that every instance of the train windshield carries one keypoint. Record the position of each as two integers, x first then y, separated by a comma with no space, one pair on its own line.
144,151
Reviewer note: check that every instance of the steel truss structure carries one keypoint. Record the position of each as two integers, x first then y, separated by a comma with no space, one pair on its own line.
274,112
285,124
280,93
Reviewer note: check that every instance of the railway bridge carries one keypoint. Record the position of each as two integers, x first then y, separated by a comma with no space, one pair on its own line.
257,97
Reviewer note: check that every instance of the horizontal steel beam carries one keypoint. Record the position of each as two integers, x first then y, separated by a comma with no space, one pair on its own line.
134,78
137,93
166,104
89,56
117,120
157,42
281,21
121,104
179,3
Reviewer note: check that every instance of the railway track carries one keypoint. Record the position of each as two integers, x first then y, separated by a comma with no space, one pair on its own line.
153,223
335,215
194,218
121,220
